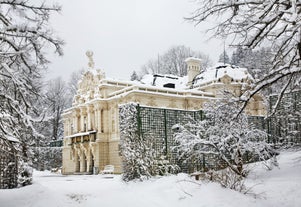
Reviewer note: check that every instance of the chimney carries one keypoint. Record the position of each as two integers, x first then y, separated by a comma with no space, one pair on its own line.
193,68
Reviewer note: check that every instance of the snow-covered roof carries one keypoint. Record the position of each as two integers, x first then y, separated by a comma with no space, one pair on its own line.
81,134
193,59
219,71
150,83
159,80
211,74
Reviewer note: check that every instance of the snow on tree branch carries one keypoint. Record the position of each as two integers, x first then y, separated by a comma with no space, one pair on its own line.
257,23
137,155
25,38
137,149
223,134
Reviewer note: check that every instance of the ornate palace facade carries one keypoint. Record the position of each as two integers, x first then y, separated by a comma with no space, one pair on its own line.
91,128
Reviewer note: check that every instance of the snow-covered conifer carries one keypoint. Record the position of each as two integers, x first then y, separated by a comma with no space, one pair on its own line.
134,76
137,152
224,58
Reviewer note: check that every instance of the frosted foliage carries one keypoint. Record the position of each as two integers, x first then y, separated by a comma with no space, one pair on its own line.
25,174
225,135
260,23
137,149
137,154
24,38
46,158
24,33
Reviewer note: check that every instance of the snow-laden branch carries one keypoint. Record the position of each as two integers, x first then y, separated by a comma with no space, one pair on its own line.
254,23
24,36
222,137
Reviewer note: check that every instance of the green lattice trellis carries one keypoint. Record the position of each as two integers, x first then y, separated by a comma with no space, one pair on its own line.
8,165
156,124
285,126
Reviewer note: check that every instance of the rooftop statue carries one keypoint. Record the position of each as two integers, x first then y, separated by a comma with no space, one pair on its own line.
89,54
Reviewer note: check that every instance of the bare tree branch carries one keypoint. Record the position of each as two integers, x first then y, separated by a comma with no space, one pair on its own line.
253,23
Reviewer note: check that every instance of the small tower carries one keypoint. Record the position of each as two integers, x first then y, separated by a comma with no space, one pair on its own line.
193,68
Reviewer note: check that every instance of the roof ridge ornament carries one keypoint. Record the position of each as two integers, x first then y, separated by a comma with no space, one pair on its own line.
89,54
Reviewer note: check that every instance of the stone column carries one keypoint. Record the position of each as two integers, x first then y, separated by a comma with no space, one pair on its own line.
66,126
97,117
89,162
88,118
81,121
103,113
83,114
83,162
75,129
69,126
76,121
99,120
77,161
92,114
95,127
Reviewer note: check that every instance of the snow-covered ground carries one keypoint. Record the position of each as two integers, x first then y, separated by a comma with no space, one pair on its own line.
279,187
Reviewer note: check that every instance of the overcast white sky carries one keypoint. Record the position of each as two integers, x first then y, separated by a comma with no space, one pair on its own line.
124,34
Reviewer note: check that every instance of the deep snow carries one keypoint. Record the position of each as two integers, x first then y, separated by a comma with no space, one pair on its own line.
279,187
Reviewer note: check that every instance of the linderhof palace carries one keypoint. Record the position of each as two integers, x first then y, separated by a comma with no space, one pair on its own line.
91,128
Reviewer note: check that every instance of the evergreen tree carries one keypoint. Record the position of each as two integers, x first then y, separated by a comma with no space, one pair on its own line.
224,58
137,150
134,76
137,153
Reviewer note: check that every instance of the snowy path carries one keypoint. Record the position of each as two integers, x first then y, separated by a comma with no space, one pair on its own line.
280,187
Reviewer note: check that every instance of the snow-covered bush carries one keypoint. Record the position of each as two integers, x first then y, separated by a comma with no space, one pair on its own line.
137,153
225,135
137,150
25,174
228,179
46,158
164,167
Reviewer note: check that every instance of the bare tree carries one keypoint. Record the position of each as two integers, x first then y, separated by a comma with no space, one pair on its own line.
173,61
73,83
56,98
224,58
255,23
